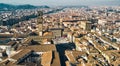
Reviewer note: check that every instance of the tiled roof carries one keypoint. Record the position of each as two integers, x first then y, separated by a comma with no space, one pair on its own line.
20,54
6,35
48,34
40,48
72,55
46,58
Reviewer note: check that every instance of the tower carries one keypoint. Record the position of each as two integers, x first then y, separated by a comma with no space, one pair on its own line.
86,25
40,23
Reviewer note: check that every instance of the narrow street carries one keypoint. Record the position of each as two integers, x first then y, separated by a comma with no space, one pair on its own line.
61,50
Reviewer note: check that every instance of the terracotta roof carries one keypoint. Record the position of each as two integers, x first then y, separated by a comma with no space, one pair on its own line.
20,54
46,58
6,63
78,53
10,63
27,40
48,34
116,53
67,63
92,61
6,35
67,30
117,62
117,35
72,55
50,58
40,48
11,43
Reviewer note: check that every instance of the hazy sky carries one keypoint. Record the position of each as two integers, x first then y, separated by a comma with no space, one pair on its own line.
63,2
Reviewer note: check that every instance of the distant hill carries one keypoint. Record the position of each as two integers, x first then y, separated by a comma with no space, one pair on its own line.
5,6
77,6
14,7
43,6
25,7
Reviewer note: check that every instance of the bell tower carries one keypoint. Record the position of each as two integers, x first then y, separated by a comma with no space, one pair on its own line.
40,23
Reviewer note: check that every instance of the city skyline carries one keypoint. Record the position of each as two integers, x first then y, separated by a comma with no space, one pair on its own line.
63,2
59,33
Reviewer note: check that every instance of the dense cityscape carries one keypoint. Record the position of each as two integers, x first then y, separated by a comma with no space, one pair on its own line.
60,36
